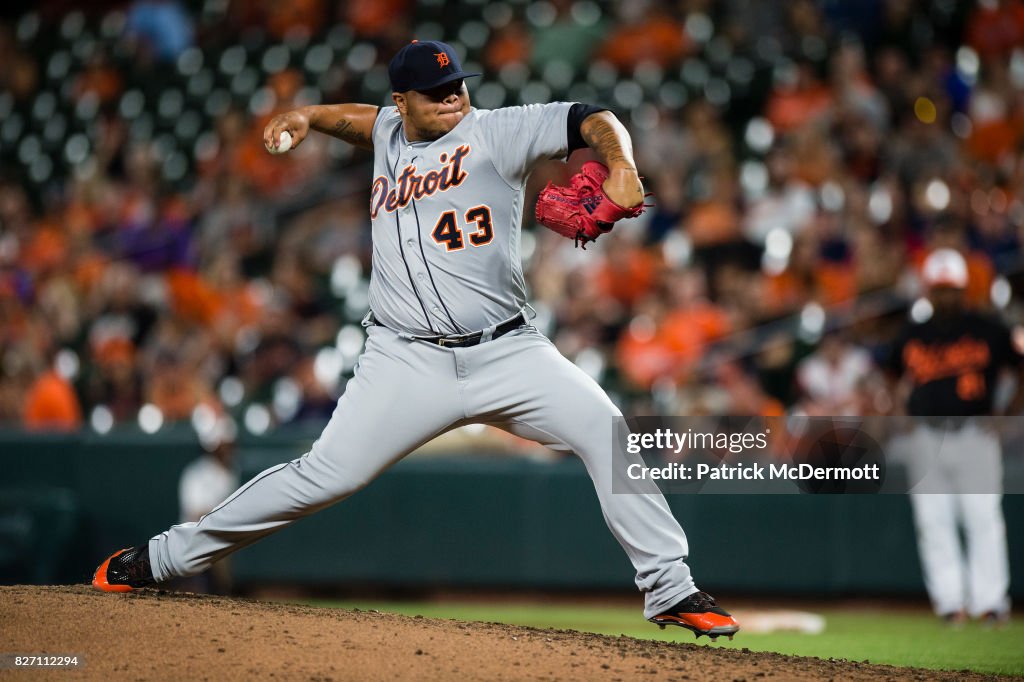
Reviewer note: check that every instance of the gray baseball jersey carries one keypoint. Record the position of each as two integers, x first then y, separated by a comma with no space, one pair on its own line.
446,217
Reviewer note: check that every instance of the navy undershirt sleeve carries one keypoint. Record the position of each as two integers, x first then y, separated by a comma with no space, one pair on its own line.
577,113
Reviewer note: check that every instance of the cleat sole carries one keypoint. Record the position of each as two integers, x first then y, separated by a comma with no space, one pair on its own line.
713,634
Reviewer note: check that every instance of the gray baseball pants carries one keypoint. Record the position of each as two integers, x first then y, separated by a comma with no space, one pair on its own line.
518,382
958,482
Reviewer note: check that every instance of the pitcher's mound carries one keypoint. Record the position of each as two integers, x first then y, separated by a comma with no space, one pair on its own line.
156,635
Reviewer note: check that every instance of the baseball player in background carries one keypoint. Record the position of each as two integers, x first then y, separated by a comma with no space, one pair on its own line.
949,366
449,342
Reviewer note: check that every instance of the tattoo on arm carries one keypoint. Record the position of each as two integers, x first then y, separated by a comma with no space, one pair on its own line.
610,142
344,130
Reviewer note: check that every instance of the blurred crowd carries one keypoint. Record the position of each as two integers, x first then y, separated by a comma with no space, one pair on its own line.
157,265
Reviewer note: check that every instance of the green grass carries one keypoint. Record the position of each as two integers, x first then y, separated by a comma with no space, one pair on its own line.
914,639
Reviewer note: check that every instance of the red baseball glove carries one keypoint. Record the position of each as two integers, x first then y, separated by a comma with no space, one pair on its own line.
582,211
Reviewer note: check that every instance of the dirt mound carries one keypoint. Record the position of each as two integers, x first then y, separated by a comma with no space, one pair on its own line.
156,635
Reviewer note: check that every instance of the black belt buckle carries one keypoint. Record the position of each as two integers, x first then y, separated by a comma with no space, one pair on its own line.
460,342
474,338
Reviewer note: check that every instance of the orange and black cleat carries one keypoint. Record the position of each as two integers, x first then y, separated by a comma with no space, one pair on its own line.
700,614
124,571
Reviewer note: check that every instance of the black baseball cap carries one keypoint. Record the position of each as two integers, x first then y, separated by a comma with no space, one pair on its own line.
422,65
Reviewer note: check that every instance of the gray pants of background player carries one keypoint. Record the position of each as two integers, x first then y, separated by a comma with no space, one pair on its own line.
403,394
957,482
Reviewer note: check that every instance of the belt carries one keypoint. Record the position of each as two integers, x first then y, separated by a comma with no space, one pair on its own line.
466,340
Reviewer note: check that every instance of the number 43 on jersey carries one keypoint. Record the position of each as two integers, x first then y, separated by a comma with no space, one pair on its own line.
448,233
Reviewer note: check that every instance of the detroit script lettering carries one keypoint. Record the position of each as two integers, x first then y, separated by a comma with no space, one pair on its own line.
411,185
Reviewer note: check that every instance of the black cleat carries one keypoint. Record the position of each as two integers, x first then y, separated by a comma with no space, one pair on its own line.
701,615
995,620
125,570
954,620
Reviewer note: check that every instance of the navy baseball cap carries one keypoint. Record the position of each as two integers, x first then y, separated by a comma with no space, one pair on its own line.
422,65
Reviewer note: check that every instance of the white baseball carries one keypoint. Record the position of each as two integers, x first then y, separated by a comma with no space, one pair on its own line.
284,143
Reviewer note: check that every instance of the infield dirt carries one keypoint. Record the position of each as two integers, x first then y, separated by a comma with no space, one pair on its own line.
157,635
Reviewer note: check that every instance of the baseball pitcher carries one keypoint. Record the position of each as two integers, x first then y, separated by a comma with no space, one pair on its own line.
449,340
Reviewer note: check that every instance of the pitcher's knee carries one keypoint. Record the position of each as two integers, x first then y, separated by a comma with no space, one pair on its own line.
341,484
595,417
350,486
318,482
594,432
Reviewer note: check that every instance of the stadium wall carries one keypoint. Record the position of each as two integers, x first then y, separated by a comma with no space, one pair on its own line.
488,522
